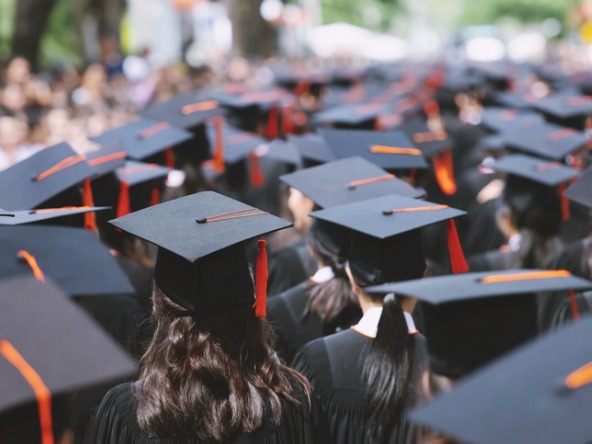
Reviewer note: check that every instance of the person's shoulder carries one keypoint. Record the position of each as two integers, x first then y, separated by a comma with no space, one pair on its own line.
120,396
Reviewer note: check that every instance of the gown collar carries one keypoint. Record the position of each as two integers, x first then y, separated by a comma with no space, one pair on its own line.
368,325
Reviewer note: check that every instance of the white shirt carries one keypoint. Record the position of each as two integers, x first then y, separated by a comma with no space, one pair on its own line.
368,325
323,274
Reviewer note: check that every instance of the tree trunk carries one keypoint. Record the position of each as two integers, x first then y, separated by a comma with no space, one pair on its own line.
30,20
251,35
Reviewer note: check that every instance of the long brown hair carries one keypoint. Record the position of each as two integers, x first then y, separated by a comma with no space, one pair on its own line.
210,378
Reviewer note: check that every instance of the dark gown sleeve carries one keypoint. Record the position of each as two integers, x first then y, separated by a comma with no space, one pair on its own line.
288,267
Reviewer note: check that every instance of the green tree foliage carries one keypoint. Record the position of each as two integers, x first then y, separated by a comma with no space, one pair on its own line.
373,14
7,9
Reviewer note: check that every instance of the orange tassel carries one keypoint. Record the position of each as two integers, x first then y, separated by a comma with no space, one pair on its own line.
90,222
155,197
257,179
444,170
458,262
218,160
575,311
272,123
565,212
169,158
123,205
431,108
260,304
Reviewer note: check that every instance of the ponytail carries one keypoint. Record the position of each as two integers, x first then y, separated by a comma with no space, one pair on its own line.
389,370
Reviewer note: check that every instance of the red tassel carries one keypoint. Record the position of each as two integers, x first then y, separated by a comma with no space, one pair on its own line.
90,222
575,311
431,108
155,197
444,171
218,160
377,124
287,126
123,205
257,179
260,304
565,213
458,262
169,158
272,123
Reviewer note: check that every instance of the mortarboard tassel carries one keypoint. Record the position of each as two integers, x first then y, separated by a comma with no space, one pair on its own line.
123,205
260,304
431,108
458,262
32,262
155,196
218,160
272,123
169,157
444,170
575,311
579,377
257,179
287,126
90,222
42,393
565,213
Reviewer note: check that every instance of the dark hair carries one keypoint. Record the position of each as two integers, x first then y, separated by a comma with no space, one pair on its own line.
210,378
329,299
389,370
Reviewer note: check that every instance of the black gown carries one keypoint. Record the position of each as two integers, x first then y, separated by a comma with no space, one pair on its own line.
116,422
333,365
294,327
289,266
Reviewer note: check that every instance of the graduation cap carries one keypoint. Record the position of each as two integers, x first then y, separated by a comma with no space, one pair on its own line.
48,349
502,119
472,318
386,242
105,159
363,115
346,181
581,190
313,148
73,258
515,99
569,108
22,217
541,177
41,177
540,393
201,262
282,151
545,140
391,150
144,138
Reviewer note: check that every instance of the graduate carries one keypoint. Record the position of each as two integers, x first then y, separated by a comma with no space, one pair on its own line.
365,377
209,373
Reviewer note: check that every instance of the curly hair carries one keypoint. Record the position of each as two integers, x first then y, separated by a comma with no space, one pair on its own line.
210,378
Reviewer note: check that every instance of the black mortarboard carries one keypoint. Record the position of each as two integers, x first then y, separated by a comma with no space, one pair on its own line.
72,257
570,109
201,262
186,110
48,345
312,148
105,159
472,318
540,393
535,169
353,115
23,217
282,151
386,243
581,190
237,143
346,181
514,99
502,119
144,138
545,140
429,142
391,150
43,176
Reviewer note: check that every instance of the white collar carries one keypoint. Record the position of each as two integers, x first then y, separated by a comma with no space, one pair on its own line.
368,325
323,274
514,242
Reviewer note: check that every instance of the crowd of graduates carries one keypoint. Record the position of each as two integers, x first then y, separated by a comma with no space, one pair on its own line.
424,275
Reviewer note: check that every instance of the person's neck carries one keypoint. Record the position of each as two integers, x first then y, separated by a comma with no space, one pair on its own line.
366,303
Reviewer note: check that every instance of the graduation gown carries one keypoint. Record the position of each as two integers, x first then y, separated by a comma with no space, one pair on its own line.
288,267
116,422
333,365
294,327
